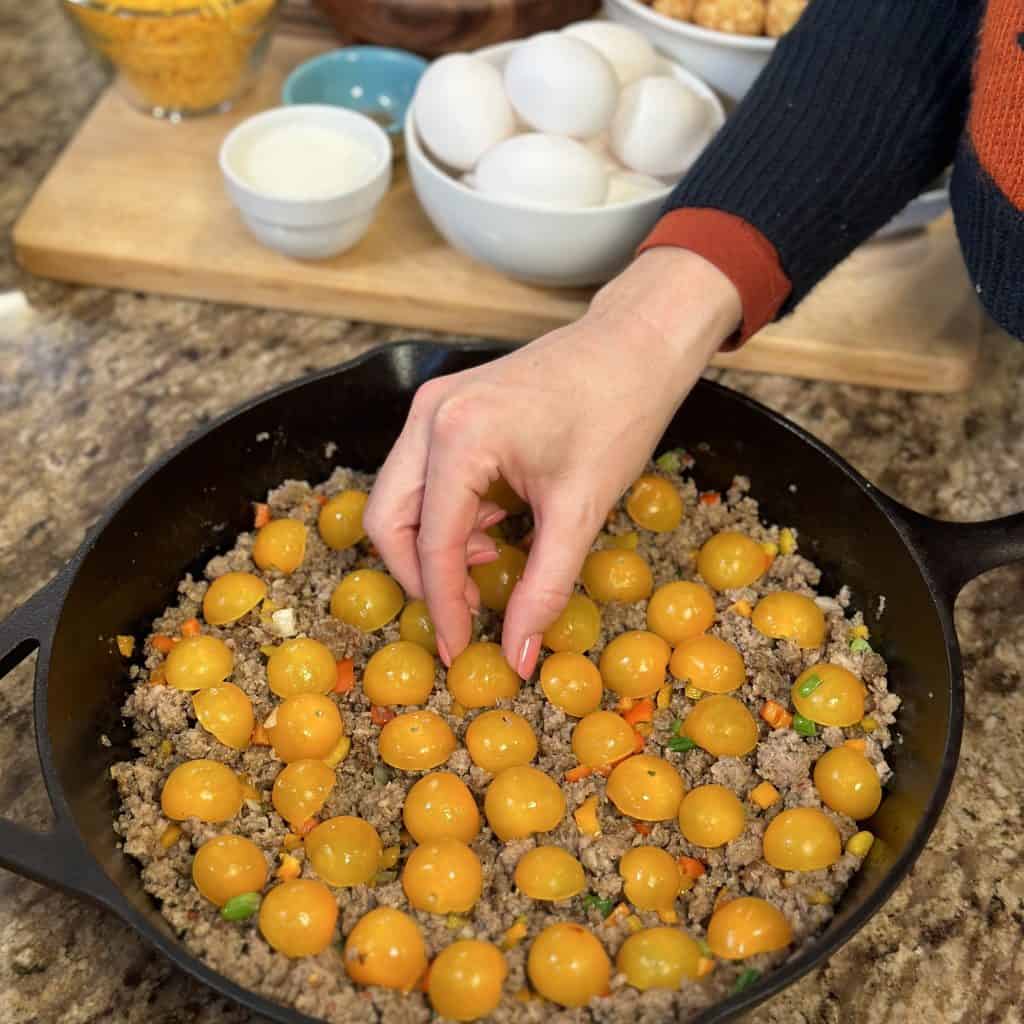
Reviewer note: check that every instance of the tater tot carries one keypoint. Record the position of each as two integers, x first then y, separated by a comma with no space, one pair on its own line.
679,9
743,17
781,15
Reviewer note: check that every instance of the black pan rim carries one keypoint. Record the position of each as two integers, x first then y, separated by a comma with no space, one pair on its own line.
105,891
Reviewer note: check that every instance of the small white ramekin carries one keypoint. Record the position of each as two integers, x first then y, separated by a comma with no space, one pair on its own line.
310,229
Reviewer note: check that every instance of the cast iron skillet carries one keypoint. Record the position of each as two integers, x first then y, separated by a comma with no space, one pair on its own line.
194,502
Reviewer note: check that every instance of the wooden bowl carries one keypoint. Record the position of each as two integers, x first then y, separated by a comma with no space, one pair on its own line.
433,27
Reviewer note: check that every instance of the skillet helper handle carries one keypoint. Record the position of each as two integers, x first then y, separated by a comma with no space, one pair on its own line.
954,553
55,858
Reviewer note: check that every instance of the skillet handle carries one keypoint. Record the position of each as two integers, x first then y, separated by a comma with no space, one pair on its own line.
55,858
954,553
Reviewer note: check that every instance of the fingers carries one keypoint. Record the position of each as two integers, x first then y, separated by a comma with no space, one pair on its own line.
448,538
565,528
480,549
489,515
392,515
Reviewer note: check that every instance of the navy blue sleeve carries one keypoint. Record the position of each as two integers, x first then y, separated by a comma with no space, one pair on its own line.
860,107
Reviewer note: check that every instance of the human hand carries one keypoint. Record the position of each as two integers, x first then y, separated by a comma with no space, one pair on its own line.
568,420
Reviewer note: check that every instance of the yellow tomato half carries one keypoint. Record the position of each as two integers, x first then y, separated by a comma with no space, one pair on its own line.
645,787
747,926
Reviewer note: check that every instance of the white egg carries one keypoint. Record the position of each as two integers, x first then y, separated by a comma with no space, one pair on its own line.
659,126
461,110
625,186
561,86
599,146
629,53
549,170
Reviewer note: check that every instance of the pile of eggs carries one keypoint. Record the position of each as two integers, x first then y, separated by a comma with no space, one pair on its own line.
580,118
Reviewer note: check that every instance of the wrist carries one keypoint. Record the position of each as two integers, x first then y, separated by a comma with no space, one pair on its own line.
687,305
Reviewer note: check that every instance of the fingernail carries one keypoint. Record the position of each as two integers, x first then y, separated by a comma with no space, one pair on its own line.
442,649
482,558
528,656
492,519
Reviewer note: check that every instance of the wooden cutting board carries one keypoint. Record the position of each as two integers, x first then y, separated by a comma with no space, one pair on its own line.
138,203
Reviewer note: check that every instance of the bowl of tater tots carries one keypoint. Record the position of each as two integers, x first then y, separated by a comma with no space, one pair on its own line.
726,42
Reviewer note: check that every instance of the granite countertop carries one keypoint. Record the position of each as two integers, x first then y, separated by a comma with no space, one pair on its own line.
94,384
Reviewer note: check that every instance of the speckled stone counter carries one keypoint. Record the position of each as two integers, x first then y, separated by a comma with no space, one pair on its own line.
95,384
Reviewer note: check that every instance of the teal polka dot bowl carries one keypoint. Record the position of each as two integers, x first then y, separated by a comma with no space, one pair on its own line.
376,81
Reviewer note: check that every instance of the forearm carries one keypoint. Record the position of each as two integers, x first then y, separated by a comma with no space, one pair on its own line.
673,304
860,107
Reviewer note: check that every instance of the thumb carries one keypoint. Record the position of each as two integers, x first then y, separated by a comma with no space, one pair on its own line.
564,529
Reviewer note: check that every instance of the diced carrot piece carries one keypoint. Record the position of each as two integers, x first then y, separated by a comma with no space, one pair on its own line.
644,828
164,644
586,817
620,912
641,711
290,868
776,715
320,499
710,498
125,645
190,627
381,716
692,867
705,965
741,607
157,677
581,771
346,678
514,935
260,738
765,795
170,836
860,745
261,514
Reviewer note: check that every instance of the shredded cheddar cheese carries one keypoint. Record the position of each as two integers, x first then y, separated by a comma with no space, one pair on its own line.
181,56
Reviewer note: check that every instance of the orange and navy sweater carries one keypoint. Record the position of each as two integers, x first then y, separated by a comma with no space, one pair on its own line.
862,105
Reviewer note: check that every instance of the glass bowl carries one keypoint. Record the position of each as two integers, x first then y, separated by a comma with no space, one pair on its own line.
179,58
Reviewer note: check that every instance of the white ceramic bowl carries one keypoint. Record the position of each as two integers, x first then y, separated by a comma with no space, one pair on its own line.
726,61
533,243
310,229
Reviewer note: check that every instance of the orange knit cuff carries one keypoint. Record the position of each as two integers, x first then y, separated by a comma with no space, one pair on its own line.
739,251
